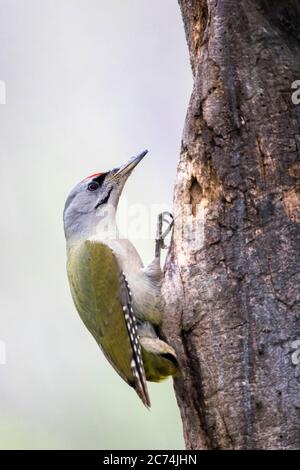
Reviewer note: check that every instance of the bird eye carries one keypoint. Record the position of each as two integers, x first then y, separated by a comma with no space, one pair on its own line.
93,186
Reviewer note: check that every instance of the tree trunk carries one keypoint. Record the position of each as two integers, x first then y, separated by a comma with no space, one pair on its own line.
233,271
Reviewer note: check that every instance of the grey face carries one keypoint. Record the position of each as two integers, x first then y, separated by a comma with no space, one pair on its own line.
87,202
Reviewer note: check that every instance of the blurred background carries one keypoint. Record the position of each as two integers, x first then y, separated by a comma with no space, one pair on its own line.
89,83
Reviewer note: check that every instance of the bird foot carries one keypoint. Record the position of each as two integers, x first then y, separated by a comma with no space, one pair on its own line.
163,218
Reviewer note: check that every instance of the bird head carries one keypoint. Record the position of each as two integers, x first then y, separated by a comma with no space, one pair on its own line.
95,199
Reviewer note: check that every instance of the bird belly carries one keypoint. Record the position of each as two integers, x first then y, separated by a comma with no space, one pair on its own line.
146,296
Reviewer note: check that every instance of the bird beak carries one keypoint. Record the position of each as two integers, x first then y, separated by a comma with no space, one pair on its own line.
127,168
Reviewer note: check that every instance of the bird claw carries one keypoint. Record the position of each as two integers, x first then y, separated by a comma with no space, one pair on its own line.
163,217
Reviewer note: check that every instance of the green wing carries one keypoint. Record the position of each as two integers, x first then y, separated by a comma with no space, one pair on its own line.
102,298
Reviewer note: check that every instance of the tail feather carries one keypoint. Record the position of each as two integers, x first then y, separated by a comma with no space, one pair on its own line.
140,386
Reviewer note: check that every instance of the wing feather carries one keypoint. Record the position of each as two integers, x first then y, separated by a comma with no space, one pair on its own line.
102,297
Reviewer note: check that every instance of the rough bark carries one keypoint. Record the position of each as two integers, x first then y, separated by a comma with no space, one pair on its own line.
232,297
